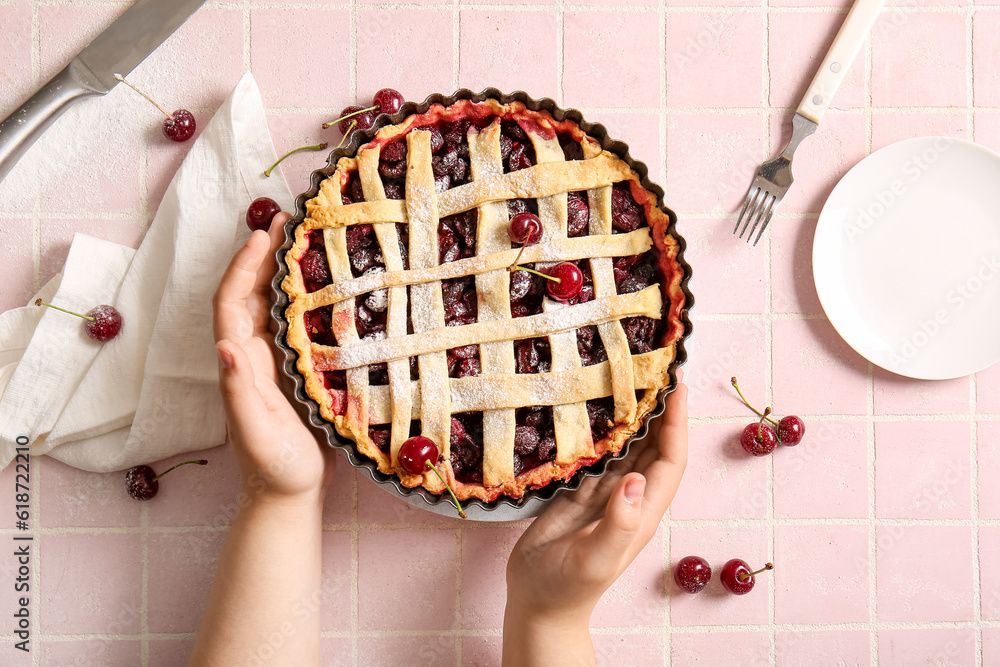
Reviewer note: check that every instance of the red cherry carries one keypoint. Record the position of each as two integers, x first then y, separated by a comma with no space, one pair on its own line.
790,430
180,126
737,578
416,453
365,118
142,483
759,438
105,323
260,213
388,100
570,281
692,574
525,228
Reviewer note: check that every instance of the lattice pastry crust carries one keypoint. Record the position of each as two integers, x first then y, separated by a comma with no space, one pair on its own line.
414,310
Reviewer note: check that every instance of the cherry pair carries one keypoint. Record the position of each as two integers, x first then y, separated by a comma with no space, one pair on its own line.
760,439
693,573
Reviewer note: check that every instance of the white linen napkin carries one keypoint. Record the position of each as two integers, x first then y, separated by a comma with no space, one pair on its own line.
152,391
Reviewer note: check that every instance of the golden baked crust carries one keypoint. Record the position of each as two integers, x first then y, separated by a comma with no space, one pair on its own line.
634,379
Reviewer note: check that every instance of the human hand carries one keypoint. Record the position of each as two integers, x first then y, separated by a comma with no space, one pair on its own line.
581,544
279,457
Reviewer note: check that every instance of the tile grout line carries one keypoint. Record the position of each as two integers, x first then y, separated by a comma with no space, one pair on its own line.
355,566
36,565
977,580
353,38
456,45
144,599
768,250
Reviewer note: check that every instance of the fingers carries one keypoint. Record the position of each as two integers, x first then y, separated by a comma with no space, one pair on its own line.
231,317
605,547
270,265
240,396
664,473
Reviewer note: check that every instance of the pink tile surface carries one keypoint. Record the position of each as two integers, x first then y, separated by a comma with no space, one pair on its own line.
508,50
395,53
701,90
484,563
922,470
726,649
724,67
15,253
93,584
181,566
721,480
822,575
426,573
989,467
720,351
895,395
924,573
77,498
805,350
944,646
932,44
989,552
822,649
93,651
825,475
711,160
711,247
623,81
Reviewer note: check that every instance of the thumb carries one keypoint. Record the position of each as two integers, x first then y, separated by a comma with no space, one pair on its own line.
608,543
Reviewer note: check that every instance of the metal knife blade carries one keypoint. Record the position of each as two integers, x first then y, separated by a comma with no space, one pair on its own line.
118,50
133,36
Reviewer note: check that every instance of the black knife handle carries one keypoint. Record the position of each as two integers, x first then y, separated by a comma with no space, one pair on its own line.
23,127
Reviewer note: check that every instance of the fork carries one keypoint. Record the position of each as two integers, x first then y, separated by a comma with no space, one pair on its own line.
774,177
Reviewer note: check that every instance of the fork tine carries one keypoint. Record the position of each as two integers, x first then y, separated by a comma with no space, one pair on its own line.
774,205
746,203
750,212
765,206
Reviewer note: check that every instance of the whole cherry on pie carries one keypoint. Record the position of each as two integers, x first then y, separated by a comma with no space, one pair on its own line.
404,273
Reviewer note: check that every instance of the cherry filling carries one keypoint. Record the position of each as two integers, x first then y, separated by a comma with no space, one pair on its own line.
534,441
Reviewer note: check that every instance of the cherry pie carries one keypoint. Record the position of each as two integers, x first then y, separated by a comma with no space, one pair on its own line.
407,318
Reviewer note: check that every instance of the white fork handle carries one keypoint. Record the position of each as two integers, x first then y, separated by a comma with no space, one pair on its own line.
838,59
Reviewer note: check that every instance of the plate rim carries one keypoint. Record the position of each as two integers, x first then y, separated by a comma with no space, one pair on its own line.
816,250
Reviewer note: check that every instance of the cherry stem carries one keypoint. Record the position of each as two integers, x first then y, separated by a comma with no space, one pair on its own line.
39,302
760,425
151,100
200,462
454,498
347,134
537,273
743,576
346,116
317,147
513,265
747,403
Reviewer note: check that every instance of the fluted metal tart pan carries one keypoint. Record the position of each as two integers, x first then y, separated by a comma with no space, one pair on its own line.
503,508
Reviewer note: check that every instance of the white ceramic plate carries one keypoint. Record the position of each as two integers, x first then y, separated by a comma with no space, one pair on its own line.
907,258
